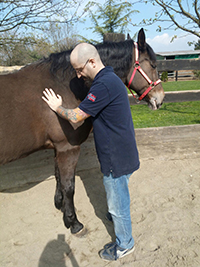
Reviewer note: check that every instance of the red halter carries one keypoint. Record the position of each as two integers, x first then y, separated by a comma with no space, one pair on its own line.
137,67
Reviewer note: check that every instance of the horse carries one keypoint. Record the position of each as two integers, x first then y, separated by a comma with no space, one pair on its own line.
27,124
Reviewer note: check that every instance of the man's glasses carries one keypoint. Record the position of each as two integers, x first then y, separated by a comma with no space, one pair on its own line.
78,71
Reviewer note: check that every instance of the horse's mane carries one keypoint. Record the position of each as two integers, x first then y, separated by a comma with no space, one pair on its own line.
151,53
60,60
119,55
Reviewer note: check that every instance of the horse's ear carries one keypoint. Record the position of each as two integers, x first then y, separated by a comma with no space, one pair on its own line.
141,39
128,37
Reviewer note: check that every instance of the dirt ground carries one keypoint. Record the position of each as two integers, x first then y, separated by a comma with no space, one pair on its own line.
165,207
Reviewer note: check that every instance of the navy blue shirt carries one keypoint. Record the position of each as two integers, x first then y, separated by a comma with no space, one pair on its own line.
107,102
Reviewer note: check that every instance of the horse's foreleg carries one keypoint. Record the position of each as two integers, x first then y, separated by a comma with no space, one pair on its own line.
58,198
65,175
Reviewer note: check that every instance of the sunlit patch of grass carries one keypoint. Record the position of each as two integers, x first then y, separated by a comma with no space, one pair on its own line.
181,85
170,114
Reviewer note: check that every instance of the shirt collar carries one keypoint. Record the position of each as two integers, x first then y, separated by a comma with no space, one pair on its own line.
102,71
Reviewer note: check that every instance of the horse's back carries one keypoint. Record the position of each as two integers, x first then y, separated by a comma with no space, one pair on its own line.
26,122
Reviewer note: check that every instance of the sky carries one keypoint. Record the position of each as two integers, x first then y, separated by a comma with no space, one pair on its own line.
159,41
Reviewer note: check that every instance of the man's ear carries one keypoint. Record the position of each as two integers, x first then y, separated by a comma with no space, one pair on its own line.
92,61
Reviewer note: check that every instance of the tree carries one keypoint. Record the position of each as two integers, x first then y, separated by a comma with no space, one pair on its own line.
197,45
30,30
21,17
112,16
35,14
180,14
63,37
22,50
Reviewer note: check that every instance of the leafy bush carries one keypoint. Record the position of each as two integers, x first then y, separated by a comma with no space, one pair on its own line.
197,74
164,76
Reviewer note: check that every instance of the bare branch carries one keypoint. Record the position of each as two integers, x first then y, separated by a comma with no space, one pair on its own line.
196,9
183,15
37,13
188,15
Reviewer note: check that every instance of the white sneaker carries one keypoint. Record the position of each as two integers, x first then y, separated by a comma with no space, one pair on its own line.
112,252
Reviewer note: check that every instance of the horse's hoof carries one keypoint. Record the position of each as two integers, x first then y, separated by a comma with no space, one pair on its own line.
82,233
58,201
76,226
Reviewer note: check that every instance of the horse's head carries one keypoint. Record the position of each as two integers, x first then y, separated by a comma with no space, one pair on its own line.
143,75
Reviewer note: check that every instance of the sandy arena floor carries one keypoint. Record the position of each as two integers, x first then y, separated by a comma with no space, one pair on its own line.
165,207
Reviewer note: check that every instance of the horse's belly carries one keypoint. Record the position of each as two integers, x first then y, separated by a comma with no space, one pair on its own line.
18,140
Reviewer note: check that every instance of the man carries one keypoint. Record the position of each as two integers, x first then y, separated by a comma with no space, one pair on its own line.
107,104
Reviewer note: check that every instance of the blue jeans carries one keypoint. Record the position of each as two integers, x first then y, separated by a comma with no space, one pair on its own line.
118,201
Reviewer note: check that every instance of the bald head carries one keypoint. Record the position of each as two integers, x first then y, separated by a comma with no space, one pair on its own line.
86,53
83,52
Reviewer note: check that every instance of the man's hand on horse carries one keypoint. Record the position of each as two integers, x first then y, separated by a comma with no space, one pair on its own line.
53,100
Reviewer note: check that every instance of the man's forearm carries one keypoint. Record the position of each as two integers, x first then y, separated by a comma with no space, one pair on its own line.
73,115
54,101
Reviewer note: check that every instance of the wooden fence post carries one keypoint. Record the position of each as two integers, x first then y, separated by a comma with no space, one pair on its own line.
176,77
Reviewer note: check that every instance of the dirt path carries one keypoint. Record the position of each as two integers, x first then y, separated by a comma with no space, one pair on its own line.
165,207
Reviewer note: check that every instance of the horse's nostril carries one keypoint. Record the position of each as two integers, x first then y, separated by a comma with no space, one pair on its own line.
159,105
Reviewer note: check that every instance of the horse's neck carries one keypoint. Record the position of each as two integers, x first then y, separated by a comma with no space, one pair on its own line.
119,56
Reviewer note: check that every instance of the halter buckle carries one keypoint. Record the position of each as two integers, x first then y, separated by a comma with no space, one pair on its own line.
137,99
136,64
152,85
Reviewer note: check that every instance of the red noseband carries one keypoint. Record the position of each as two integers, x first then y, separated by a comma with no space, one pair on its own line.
137,67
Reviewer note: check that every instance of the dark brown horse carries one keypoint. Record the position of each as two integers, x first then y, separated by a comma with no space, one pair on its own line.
27,124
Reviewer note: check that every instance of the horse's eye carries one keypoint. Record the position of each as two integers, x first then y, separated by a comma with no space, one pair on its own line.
153,64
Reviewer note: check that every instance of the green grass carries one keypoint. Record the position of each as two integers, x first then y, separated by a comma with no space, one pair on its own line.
181,85
170,114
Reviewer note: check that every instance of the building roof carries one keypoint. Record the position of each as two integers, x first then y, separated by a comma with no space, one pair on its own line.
176,53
